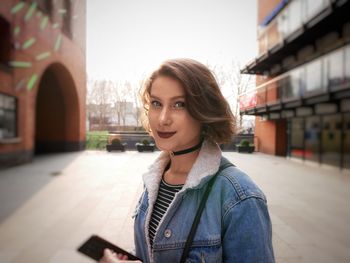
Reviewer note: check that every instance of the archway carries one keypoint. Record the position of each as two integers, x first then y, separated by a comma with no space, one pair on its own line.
56,112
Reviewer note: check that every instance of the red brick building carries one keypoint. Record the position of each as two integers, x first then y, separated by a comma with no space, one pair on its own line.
42,78
302,98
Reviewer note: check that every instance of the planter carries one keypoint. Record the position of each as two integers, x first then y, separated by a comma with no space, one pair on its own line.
145,148
116,147
245,149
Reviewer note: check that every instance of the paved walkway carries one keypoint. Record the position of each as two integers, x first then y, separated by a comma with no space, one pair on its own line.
50,206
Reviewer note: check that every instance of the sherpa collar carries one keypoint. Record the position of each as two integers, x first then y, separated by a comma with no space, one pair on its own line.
207,163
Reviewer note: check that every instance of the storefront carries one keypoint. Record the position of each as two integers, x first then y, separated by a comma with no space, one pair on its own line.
321,138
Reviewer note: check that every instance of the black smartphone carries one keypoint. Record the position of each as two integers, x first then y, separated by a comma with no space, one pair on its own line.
95,245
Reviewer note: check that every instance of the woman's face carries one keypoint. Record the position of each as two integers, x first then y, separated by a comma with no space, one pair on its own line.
172,126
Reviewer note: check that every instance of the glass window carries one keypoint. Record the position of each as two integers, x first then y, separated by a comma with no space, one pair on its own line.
312,138
295,82
273,34
282,23
346,141
290,85
297,138
295,15
331,139
286,88
313,73
273,92
7,116
335,68
66,28
347,64
302,83
263,43
313,7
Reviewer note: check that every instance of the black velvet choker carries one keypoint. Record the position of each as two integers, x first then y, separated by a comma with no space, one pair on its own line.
192,149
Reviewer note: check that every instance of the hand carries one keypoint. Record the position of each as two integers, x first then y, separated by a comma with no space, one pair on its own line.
110,256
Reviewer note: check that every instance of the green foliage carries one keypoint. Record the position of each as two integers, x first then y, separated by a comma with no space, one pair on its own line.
95,133
96,140
116,141
244,142
145,142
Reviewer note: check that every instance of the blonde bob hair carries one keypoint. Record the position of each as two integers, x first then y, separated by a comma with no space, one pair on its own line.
204,100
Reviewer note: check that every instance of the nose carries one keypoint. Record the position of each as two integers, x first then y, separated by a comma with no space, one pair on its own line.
165,117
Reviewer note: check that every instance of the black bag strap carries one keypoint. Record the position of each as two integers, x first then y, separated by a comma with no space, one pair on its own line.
193,230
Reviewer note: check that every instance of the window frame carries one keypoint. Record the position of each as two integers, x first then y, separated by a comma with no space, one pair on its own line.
7,110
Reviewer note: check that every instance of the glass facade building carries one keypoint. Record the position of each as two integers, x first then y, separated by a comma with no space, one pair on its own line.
304,82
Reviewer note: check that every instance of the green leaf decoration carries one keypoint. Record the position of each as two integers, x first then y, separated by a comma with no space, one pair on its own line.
43,23
58,43
43,55
17,8
32,81
20,64
30,11
29,43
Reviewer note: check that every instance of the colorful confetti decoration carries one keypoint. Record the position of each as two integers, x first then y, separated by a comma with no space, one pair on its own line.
32,81
58,43
43,23
30,11
20,64
43,55
28,43
17,7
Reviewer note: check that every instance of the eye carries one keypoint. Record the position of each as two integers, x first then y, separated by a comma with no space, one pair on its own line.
155,104
179,105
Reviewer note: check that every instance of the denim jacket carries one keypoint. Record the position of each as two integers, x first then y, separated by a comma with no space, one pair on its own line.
234,227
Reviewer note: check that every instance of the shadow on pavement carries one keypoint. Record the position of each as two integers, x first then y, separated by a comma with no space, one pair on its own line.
18,184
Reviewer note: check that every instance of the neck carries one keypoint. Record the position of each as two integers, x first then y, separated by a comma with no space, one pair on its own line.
182,162
188,150
180,167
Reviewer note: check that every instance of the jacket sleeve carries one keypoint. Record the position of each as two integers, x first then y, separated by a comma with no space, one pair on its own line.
247,233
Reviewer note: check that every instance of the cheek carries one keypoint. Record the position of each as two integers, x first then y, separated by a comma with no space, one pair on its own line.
196,129
194,126
152,118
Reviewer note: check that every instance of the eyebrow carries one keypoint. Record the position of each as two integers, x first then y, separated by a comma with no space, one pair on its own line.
172,98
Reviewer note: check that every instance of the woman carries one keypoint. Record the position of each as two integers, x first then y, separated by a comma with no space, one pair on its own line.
188,118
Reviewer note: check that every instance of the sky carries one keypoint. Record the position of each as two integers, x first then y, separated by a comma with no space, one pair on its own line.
127,39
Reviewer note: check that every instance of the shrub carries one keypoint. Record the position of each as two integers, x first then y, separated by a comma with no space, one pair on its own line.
145,142
96,140
244,142
116,141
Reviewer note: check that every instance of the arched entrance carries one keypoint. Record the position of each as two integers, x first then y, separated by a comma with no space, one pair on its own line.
56,112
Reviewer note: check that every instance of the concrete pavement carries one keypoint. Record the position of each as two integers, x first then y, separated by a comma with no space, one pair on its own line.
49,207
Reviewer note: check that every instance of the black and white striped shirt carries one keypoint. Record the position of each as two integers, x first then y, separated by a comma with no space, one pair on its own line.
165,196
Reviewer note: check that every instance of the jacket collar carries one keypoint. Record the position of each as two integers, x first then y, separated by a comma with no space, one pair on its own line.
207,163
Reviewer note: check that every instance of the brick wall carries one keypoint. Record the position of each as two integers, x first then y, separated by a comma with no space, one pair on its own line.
52,53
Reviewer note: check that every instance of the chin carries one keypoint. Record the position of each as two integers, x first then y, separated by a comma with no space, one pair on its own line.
163,145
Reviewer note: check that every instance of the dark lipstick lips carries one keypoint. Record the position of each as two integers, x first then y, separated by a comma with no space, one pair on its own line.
165,135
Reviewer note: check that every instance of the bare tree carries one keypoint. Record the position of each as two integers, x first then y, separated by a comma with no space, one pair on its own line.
99,101
116,97
232,78
119,96
136,99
